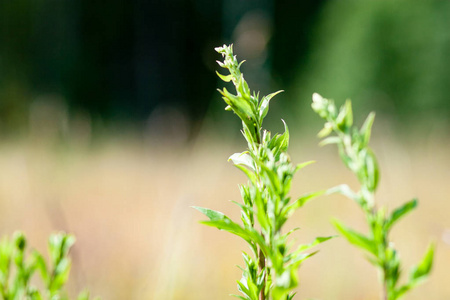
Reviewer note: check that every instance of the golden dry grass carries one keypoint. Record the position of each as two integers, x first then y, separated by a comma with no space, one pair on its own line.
128,204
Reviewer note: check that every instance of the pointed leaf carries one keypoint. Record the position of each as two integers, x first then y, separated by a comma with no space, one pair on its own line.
251,176
302,165
330,140
366,128
222,222
356,238
400,212
302,257
240,297
264,104
226,78
326,130
421,271
291,208
372,171
314,243
284,143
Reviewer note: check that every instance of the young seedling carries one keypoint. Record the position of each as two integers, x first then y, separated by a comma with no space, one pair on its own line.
271,268
17,269
359,158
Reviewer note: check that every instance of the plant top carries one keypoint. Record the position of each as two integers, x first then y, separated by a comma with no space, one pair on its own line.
271,269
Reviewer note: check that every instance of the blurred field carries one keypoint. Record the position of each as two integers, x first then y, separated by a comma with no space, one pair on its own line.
127,200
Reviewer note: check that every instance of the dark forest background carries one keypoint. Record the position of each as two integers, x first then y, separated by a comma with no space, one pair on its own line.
122,61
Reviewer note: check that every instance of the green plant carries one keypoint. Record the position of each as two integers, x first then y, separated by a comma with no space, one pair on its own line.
359,158
17,269
270,270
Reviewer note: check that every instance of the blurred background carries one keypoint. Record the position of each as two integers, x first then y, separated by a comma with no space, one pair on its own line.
111,127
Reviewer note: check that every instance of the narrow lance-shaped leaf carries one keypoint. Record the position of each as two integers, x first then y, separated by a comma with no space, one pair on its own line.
372,171
421,271
222,222
349,114
314,243
356,238
291,208
264,104
326,130
400,212
302,165
366,128
226,78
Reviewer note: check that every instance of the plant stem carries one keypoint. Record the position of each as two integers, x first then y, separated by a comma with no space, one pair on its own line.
262,265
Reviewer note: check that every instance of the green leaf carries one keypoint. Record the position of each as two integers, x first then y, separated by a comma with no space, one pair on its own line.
59,245
239,105
290,297
284,283
264,104
261,213
423,269
291,208
356,238
61,273
40,264
341,119
302,257
249,288
20,241
372,171
330,140
84,295
314,243
239,297
326,130
418,273
284,139
226,78
251,176
274,181
366,128
400,212
243,89
222,222
302,165
243,159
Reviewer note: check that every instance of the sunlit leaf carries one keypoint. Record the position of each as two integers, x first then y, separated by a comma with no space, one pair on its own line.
400,212
356,238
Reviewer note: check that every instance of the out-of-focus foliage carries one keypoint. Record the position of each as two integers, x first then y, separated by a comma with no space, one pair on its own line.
17,268
356,154
131,60
392,56
116,61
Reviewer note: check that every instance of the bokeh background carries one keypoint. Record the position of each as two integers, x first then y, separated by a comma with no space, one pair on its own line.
111,128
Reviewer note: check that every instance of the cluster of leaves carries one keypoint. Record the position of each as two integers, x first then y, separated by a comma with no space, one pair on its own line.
17,269
353,148
270,270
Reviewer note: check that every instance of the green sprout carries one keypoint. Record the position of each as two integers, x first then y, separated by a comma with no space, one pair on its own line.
271,268
17,269
354,151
